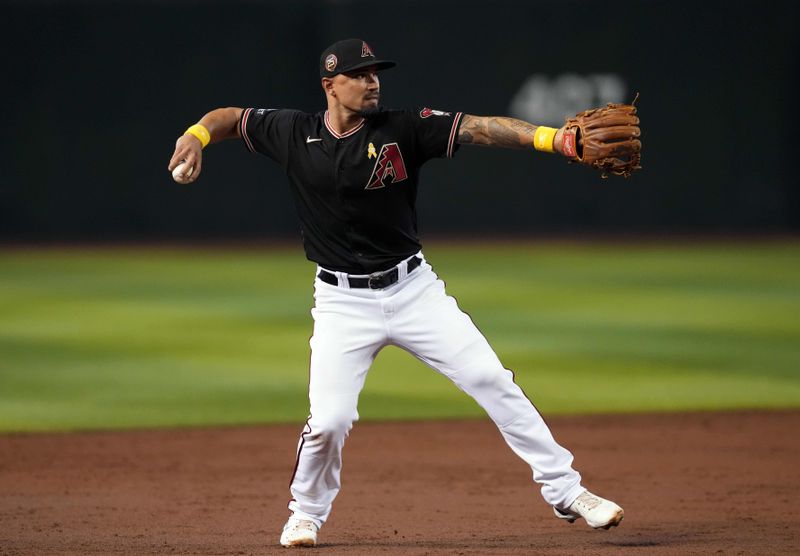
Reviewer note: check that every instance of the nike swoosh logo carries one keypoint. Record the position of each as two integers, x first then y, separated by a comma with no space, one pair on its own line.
310,140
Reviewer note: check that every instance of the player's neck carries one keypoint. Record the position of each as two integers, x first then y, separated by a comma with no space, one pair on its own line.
343,120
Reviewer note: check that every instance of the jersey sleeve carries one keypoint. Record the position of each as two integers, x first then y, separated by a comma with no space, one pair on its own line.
435,132
268,131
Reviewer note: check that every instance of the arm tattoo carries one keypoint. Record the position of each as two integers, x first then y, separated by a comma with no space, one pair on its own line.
469,128
495,131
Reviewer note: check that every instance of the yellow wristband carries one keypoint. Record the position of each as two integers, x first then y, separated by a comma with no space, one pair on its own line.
543,138
200,132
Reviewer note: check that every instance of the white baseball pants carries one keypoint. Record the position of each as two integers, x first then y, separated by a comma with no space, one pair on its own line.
350,328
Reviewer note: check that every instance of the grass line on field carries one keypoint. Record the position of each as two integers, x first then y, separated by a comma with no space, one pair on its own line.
114,338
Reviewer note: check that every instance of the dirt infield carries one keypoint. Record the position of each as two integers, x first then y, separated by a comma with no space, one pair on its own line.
690,484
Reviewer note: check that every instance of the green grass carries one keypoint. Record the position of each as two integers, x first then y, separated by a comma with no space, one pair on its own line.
136,337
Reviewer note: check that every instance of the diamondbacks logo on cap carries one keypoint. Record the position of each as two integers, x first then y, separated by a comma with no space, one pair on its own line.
366,51
330,62
428,112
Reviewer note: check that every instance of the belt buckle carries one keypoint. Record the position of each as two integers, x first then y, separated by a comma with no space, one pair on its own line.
375,280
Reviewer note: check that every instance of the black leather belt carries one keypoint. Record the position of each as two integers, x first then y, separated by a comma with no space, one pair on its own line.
375,281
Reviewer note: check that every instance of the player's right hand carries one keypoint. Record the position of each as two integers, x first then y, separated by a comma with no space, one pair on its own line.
188,149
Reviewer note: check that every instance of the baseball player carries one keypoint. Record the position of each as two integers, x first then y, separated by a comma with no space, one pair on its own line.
354,170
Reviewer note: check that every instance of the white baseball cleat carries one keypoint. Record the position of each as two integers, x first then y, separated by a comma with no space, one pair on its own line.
299,532
599,513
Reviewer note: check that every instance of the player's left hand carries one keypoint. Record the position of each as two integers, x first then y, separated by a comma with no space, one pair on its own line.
558,142
607,139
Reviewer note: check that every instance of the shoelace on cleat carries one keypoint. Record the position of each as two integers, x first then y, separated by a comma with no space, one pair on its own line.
301,524
588,502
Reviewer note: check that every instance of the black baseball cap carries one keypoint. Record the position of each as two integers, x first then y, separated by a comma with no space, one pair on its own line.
349,55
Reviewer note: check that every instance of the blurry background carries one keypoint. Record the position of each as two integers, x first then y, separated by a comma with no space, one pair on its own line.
95,93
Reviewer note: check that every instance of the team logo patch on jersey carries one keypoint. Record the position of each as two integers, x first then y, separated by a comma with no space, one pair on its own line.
330,62
389,168
428,112
366,51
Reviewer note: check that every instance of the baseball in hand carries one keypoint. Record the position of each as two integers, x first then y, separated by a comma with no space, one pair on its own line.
182,173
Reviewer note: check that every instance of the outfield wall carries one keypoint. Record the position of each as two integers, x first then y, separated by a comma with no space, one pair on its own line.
95,94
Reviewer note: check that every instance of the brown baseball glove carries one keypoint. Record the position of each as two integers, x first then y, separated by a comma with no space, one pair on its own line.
606,139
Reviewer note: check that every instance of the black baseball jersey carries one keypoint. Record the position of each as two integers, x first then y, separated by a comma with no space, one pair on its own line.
356,192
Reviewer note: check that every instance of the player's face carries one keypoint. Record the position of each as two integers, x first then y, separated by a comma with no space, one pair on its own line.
358,90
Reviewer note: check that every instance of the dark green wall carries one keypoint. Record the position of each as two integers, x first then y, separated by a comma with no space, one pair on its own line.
95,94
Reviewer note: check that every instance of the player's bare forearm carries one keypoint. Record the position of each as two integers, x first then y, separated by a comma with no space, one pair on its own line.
221,124
498,131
